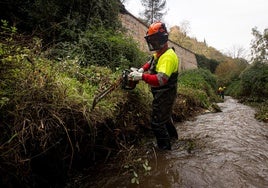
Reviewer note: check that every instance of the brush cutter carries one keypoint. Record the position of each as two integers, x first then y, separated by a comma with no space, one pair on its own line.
123,81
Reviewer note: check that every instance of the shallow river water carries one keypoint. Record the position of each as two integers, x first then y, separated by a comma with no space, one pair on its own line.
228,149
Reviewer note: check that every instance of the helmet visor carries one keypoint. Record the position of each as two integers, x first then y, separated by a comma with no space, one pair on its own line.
156,40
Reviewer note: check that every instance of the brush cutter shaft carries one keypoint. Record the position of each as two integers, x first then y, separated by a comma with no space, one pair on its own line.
125,83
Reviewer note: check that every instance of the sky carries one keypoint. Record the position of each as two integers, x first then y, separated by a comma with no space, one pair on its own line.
225,25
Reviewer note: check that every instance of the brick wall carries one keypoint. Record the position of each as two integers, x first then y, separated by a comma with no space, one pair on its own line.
137,30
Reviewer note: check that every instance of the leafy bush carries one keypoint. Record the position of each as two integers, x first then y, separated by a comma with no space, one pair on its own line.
47,125
198,86
234,89
262,113
101,47
254,81
230,70
59,20
199,79
205,63
252,89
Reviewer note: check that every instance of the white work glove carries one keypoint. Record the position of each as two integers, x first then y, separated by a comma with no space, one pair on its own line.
136,69
132,69
135,76
141,70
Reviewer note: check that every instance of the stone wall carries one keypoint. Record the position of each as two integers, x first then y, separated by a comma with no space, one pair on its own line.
137,30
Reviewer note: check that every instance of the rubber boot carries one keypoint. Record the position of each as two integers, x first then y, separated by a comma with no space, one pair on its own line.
173,134
162,137
163,144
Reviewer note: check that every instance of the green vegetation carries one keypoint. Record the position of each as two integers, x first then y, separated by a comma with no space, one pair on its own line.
252,88
61,20
153,10
197,91
45,108
50,75
254,82
102,47
229,71
205,63
46,99
250,83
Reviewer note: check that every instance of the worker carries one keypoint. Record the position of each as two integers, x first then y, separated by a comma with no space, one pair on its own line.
221,92
161,73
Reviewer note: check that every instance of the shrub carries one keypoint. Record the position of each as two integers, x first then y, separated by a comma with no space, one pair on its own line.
59,20
234,89
198,86
254,81
101,47
47,124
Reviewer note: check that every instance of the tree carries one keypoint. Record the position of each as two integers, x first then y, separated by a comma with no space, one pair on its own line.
185,27
230,70
206,63
180,33
259,46
177,35
237,52
154,10
59,20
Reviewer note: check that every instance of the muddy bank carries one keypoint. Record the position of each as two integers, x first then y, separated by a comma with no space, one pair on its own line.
225,149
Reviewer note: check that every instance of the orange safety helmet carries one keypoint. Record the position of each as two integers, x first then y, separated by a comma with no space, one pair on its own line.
156,36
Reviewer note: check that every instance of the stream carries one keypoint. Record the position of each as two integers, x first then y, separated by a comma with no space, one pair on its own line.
228,149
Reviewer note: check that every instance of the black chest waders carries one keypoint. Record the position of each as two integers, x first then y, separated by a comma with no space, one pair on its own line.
161,120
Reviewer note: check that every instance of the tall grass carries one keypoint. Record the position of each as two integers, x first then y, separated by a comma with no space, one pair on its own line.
199,85
46,118
196,92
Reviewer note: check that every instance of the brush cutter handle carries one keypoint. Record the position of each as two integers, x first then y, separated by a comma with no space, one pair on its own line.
126,83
